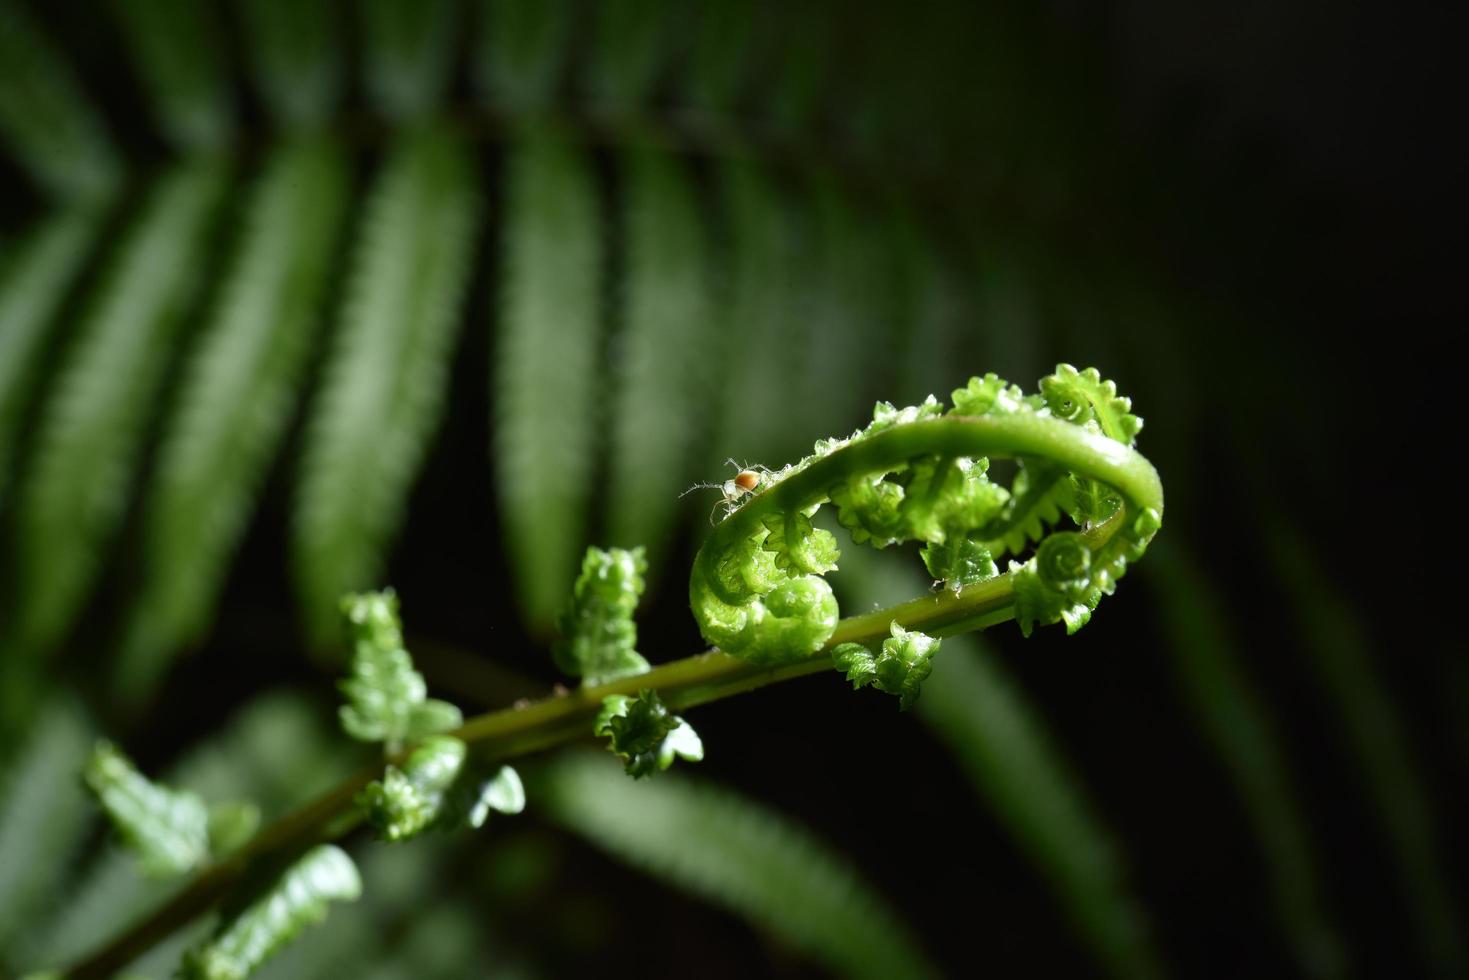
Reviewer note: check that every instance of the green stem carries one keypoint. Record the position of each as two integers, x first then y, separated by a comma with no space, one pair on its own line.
568,715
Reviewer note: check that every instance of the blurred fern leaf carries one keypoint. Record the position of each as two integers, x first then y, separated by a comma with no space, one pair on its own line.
33,288
383,389
88,446
521,51
240,388
179,55
1233,718
660,366
737,854
545,375
44,814
409,49
44,116
296,56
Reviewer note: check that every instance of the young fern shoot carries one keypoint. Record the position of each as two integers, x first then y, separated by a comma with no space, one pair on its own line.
758,592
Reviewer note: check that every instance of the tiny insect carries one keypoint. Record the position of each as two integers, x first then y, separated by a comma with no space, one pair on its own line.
747,480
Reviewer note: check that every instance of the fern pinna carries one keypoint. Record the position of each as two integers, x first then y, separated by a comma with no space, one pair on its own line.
271,255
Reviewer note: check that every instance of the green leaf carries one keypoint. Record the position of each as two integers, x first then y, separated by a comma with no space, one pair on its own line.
296,54
738,855
1223,701
1085,398
177,51
545,375
1002,744
856,662
958,561
989,395
758,309
45,816
598,634
408,800
42,271
718,63
409,50
522,50
45,118
239,390
627,51
231,825
167,829
644,734
798,547
899,669
438,786
386,373
299,898
387,698
92,434
661,384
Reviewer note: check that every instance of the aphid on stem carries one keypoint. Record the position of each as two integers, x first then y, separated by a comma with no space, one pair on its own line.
747,480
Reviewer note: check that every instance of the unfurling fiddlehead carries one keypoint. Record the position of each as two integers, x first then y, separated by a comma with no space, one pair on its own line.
921,474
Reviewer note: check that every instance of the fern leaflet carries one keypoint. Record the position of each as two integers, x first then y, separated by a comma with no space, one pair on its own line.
44,116
33,286
297,58
382,393
545,375
736,854
239,389
89,442
661,385
179,55
409,49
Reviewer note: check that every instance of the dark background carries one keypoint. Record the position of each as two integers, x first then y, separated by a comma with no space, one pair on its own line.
1278,174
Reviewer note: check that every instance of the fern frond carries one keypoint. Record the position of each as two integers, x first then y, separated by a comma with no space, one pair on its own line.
803,41
33,285
734,853
296,55
45,118
628,51
167,829
90,439
1007,754
382,392
719,62
760,310
661,390
521,51
1232,717
409,49
851,293
240,388
277,751
44,815
1375,733
253,933
178,53
545,374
